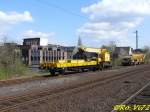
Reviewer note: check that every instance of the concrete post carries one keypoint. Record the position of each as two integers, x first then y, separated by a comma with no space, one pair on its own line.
41,56
29,61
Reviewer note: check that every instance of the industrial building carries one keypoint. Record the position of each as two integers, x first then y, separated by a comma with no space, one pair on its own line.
122,51
34,53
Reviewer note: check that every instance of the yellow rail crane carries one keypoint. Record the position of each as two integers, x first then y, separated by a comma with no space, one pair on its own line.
85,59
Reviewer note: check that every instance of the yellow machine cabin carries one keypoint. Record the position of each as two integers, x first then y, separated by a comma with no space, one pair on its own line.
84,59
102,54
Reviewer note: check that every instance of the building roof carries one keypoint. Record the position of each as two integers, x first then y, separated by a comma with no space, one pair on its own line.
54,45
31,38
69,48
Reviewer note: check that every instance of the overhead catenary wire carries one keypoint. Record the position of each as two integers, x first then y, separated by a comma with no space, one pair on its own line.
60,8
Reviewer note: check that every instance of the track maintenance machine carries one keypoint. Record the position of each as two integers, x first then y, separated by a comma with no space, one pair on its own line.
135,58
84,59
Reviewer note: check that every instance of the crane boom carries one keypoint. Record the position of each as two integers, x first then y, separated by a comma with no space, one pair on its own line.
91,50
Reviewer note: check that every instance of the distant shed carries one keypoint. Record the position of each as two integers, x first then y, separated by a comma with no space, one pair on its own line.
122,51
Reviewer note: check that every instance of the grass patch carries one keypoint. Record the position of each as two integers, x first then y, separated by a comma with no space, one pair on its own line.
21,71
3,74
12,71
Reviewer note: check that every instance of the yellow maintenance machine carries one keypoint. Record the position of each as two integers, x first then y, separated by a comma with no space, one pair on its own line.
85,59
135,58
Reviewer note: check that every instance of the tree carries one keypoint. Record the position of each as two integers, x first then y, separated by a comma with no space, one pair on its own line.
10,61
110,47
147,53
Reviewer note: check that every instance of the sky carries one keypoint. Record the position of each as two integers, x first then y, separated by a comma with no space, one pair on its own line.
96,22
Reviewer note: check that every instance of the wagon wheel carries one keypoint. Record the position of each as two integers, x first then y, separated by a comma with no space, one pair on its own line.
62,71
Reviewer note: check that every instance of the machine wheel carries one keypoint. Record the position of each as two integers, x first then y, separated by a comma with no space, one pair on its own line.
52,72
100,67
63,71
93,69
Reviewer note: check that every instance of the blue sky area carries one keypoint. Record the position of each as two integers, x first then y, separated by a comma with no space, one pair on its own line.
63,21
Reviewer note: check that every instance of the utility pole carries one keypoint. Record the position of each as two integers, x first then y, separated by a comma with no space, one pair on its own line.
137,39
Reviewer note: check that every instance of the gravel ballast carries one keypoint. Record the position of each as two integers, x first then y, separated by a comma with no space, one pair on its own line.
97,99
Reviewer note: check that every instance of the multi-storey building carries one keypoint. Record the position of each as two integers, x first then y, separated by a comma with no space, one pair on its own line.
33,53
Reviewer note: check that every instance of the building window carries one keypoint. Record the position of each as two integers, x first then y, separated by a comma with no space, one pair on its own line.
63,54
47,58
54,53
50,49
35,58
31,58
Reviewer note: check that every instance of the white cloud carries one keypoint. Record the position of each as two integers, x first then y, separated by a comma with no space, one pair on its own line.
112,19
9,19
116,7
44,36
14,17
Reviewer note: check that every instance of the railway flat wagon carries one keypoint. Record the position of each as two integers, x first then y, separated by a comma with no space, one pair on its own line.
97,60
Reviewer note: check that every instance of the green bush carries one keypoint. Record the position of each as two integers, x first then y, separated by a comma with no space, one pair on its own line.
17,69
147,58
10,62
116,62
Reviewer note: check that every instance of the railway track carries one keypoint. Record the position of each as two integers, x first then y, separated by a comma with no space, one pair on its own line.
36,78
12,103
21,80
137,102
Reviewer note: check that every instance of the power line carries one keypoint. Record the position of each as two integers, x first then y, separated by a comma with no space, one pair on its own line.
49,4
